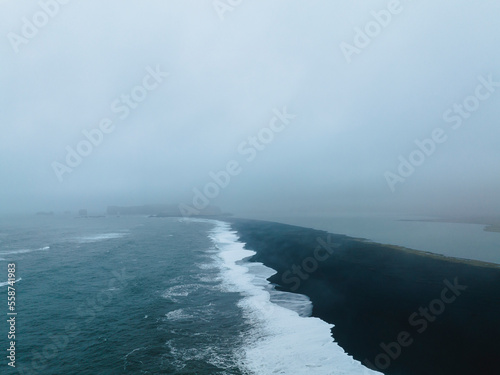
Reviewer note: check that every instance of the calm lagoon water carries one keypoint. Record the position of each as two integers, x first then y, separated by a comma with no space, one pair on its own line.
467,241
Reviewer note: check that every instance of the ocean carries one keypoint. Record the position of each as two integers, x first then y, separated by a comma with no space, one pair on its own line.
139,295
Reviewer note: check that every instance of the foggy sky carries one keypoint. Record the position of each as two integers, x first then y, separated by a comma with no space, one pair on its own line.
226,80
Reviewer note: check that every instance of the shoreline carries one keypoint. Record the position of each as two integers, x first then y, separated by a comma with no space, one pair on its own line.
446,258
275,322
456,240
490,225
369,291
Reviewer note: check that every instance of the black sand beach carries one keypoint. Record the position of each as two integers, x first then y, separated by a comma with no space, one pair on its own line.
398,311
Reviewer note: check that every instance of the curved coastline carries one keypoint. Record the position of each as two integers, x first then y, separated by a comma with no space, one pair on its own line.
371,292
446,258
275,324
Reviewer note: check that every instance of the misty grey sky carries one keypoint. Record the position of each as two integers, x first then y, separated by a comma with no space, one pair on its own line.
226,77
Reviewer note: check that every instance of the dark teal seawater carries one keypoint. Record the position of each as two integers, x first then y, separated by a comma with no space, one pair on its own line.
117,295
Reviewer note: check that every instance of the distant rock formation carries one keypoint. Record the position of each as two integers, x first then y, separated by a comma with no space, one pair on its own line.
492,228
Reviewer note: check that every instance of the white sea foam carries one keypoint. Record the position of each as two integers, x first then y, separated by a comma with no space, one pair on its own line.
126,360
174,292
299,303
179,357
179,314
7,283
283,340
99,237
23,251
